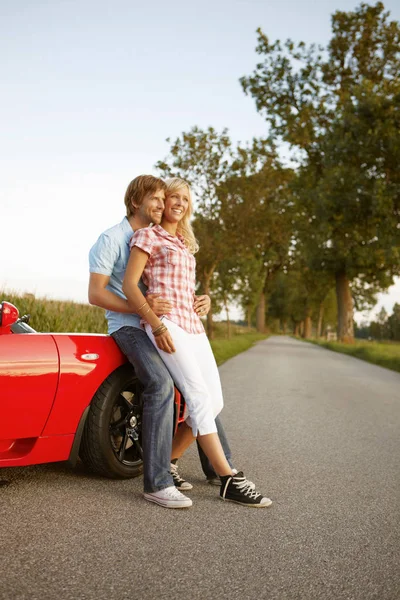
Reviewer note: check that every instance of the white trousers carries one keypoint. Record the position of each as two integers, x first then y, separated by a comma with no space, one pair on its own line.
195,373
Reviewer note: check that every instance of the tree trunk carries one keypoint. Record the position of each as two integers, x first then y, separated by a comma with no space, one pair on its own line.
296,329
301,328
210,323
260,315
345,329
284,326
228,323
307,332
249,317
320,318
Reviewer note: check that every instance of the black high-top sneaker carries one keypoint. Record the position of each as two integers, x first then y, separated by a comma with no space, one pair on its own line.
236,488
179,482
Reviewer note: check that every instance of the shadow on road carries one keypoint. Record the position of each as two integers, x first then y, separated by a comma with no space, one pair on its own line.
11,475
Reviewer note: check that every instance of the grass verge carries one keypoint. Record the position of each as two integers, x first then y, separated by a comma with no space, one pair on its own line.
227,348
385,355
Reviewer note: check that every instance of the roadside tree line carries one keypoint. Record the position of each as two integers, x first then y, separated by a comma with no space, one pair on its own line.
384,327
282,236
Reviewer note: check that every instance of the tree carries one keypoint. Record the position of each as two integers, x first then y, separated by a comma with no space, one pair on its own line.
213,249
250,278
287,299
394,323
226,288
241,208
258,216
204,159
299,295
341,109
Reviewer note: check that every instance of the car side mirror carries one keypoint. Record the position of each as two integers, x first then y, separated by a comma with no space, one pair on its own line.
8,314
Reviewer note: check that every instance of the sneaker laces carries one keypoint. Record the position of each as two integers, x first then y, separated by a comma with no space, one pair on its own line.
253,485
246,487
175,474
173,493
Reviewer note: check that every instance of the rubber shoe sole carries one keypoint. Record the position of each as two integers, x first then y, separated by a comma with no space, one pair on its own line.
265,505
168,500
184,486
170,504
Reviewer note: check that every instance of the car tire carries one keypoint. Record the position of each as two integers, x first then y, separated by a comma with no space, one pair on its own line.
111,441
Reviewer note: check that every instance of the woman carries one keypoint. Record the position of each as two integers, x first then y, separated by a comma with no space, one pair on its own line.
163,256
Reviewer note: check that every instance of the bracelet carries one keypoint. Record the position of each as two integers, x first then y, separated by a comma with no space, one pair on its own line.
140,307
159,330
145,313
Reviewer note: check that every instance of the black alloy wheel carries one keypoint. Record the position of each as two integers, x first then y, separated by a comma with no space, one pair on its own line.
125,426
112,439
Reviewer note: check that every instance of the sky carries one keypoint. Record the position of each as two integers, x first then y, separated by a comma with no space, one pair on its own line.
89,93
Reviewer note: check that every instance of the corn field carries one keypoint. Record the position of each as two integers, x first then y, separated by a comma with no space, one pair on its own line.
58,316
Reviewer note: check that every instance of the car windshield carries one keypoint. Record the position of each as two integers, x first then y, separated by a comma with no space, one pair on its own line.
22,327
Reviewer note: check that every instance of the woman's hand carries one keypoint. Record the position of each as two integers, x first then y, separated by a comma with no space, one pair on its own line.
164,342
159,305
202,305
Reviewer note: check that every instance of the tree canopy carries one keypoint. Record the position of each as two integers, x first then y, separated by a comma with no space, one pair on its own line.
281,239
340,108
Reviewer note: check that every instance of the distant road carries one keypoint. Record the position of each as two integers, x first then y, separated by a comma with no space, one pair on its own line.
317,431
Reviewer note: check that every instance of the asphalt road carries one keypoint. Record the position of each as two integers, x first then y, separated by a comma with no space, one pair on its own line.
318,432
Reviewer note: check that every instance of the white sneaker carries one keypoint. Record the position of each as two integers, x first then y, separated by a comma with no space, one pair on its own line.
169,497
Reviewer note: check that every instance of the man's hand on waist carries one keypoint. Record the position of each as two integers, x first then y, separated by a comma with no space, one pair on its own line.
159,305
202,305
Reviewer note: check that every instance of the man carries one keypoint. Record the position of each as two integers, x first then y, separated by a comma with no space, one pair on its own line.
144,201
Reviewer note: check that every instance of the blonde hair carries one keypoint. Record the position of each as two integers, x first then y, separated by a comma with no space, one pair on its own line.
138,189
184,227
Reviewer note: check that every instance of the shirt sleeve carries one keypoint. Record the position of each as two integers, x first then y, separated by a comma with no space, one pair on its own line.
144,239
103,255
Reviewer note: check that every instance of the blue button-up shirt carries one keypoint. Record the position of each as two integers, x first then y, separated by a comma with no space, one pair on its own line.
109,256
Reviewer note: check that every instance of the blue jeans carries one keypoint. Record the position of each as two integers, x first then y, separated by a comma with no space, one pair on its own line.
158,405
158,410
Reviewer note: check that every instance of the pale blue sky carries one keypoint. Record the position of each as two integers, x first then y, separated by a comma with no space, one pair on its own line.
89,93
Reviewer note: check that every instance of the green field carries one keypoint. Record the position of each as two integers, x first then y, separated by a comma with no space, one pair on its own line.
379,353
58,316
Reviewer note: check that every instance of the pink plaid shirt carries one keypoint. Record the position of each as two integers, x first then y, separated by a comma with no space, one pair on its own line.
171,272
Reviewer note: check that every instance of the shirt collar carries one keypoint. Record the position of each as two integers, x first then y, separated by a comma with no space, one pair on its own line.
178,239
126,226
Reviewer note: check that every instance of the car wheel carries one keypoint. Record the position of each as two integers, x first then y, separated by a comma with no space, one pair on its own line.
111,443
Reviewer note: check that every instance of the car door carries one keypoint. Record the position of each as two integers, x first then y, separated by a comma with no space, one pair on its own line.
29,371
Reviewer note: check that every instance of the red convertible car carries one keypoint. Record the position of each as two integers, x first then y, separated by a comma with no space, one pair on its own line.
64,395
